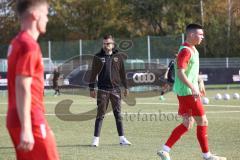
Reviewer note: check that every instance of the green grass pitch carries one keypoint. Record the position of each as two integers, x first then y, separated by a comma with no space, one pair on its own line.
147,125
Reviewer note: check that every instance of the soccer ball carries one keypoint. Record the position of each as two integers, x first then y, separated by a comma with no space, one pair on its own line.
226,96
205,100
235,96
161,98
218,96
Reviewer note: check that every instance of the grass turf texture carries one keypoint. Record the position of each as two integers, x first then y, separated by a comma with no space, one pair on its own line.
147,133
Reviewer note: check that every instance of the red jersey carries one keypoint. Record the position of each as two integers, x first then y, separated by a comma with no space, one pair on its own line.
183,57
25,58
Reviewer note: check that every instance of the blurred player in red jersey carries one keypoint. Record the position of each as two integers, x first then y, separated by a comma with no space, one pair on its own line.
27,126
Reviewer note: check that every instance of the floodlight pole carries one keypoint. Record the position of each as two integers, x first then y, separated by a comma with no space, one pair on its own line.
149,50
49,50
202,19
80,47
80,52
229,25
183,38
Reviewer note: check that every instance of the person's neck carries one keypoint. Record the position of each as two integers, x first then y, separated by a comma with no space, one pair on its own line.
30,29
108,52
190,43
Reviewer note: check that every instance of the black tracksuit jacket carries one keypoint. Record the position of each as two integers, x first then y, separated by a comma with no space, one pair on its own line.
109,71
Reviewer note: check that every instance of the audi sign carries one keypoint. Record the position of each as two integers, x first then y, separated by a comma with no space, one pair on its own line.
147,77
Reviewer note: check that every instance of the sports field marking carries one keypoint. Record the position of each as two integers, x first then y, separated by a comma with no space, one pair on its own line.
175,104
140,113
143,103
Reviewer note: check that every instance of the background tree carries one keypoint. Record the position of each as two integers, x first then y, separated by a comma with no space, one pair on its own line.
91,19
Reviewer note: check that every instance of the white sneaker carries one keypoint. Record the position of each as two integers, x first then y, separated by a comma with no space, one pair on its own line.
164,155
124,141
213,157
95,142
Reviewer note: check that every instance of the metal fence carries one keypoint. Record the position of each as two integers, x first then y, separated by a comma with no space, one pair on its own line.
137,63
154,49
150,47
220,62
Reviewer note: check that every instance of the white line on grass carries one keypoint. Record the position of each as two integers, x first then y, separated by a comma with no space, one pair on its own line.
86,102
143,103
140,113
176,104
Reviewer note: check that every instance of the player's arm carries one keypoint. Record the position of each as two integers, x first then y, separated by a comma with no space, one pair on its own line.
93,78
201,86
123,77
23,100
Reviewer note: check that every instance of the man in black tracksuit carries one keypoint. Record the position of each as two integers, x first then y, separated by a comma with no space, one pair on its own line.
108,68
